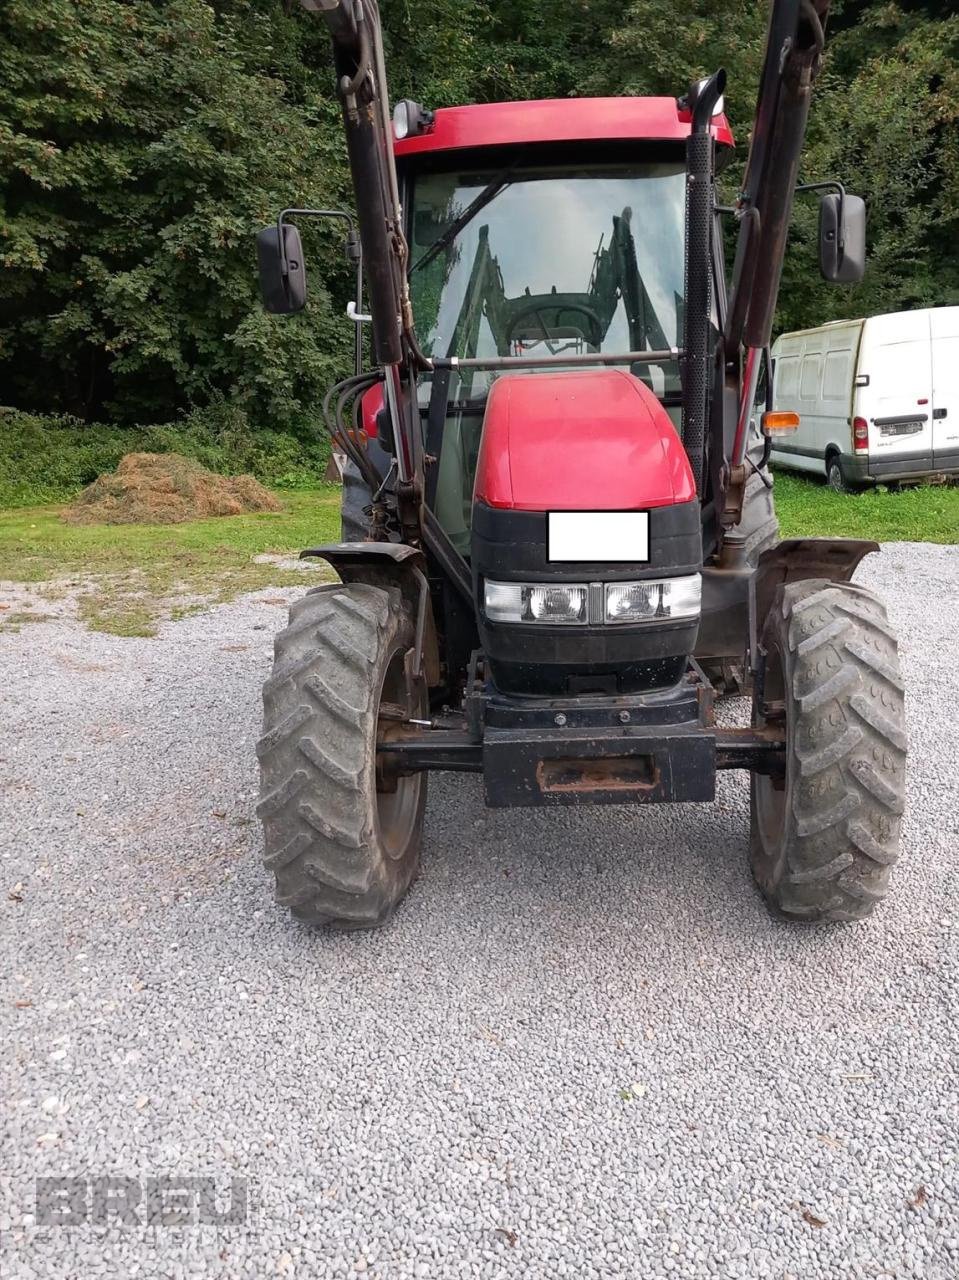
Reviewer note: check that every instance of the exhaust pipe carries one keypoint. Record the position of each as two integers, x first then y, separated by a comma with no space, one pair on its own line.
702,101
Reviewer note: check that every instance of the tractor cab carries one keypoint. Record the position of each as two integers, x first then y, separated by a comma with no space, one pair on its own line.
539,229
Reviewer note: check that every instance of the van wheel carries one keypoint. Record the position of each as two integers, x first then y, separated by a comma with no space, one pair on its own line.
834,476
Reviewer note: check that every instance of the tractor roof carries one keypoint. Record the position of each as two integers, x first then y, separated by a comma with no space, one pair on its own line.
497,124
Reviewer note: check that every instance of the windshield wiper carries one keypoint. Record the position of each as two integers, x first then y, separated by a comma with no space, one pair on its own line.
489,192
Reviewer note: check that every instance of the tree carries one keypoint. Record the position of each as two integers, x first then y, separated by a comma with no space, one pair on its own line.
885,121
143,145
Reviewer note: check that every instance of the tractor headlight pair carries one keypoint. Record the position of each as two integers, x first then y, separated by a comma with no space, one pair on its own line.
580,603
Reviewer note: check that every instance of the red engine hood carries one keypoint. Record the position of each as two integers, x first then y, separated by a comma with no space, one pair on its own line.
595,440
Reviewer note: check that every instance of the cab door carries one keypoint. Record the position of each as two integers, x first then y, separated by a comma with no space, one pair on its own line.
944,328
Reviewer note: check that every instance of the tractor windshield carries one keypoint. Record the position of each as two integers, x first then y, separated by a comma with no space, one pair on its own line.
515,260
564,260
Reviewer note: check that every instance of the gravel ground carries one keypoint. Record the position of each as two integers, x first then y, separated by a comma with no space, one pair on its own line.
582,1048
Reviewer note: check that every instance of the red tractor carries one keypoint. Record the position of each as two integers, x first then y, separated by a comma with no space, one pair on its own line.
559,534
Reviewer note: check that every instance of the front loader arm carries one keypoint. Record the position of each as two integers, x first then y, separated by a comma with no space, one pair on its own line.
794,45
356,35
354,29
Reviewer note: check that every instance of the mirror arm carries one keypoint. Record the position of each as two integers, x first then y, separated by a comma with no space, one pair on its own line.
355,252
307,213
830,185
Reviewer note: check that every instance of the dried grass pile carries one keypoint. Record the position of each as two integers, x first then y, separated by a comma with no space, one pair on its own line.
166,488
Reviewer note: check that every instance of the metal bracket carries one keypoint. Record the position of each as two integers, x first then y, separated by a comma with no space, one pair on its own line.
314,213
354,251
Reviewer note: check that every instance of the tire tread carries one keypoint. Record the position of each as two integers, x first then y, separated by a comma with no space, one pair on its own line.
848,749
318,785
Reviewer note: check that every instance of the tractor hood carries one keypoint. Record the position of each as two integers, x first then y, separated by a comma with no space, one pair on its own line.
596,440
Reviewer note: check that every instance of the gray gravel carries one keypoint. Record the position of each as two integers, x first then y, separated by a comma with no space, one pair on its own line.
582,1049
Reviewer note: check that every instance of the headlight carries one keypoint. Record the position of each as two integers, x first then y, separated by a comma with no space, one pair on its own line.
654,601
536,602
401,120
410,119
579,603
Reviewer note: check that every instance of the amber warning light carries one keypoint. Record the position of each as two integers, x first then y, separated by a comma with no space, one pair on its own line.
778,422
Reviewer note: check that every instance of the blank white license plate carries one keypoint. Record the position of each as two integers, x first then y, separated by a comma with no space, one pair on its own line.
607,536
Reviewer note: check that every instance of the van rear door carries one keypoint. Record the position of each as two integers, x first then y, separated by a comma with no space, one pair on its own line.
944,326
896,402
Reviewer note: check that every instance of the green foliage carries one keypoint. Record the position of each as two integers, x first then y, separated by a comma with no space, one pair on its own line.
142,145
886,121
447,52
46,459
651,52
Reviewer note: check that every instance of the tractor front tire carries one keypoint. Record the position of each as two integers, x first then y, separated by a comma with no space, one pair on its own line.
344,848
824,838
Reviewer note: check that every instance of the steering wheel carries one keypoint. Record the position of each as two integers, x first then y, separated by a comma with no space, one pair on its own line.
537,308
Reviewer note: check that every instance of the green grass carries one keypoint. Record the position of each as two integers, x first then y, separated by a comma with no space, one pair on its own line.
808,509
130,576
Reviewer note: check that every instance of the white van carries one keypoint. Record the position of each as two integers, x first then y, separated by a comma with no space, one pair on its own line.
878,399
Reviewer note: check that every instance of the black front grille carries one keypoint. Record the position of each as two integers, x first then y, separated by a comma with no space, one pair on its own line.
540,658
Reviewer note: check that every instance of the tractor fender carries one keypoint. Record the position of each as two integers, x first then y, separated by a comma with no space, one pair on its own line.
386,565
793,559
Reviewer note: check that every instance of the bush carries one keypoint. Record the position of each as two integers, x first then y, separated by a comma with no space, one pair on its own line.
50,459
141,148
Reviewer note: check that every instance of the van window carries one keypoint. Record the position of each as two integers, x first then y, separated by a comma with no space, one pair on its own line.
835,378
787,378
809,382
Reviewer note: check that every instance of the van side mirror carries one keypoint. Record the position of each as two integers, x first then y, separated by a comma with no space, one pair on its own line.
842,238
282,271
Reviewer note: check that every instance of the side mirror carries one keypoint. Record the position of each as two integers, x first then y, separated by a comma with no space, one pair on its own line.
282,272
842,238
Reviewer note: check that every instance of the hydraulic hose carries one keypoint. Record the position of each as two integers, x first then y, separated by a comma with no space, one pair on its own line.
339,432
